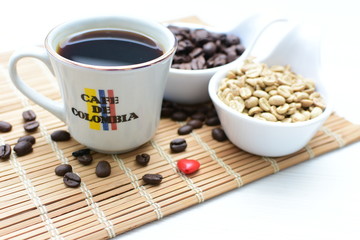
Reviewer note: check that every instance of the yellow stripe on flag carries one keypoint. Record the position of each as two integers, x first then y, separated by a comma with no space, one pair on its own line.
93,125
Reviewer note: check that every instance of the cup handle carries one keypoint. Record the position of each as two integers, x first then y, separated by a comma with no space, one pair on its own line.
255,26
52,106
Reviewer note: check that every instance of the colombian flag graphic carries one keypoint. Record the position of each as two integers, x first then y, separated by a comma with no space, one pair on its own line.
101,109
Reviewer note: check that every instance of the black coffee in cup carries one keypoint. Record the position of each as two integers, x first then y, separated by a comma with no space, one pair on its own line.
109,47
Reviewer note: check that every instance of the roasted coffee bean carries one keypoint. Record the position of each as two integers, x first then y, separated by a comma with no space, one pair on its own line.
60,135
195,53
167,109
188,109
22,148
85,159
143,159
198,63
204,108
186,129
201,36
166,112
31,126
185,46
29,115
240,49
62,169
217,60
178,145
213,121
199,116
5,151
182,59
5,126
231,39
179,116
218,36
211,113
231,54
209,49
103,169
195,123
81,152
179,38
218,134
153,179
72,180
27,138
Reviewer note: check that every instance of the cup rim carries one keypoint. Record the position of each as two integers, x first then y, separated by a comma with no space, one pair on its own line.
154,61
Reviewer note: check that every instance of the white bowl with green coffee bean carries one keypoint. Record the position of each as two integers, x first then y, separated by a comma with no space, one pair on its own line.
274,106
203,50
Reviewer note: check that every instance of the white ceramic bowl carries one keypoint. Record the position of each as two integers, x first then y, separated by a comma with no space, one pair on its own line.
190,86
300,49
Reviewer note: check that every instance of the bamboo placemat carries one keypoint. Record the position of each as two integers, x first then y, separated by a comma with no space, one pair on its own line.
35,204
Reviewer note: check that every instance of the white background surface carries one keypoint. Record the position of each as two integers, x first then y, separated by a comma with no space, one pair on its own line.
318,199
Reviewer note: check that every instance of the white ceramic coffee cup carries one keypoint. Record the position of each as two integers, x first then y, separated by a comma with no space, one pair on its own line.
110,109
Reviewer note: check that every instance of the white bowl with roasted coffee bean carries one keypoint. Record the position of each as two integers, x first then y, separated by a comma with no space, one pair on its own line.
274,106
202,51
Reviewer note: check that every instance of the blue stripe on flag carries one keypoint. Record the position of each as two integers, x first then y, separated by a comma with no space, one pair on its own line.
103,106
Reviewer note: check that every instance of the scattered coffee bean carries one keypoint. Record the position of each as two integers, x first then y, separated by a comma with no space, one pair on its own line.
29,115
103,169
211,113
5,151
153,179
201,49
199,116
204,108
62,169
31,126
186,129
81,152
188,109
178,145
188,166
179,116
85,159
27,138
5,126
195,123
143,159
166,112
60,135
22,148
72,180
167,109
218,134
212,121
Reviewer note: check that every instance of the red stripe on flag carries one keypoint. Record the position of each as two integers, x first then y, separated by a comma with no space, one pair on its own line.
112,109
